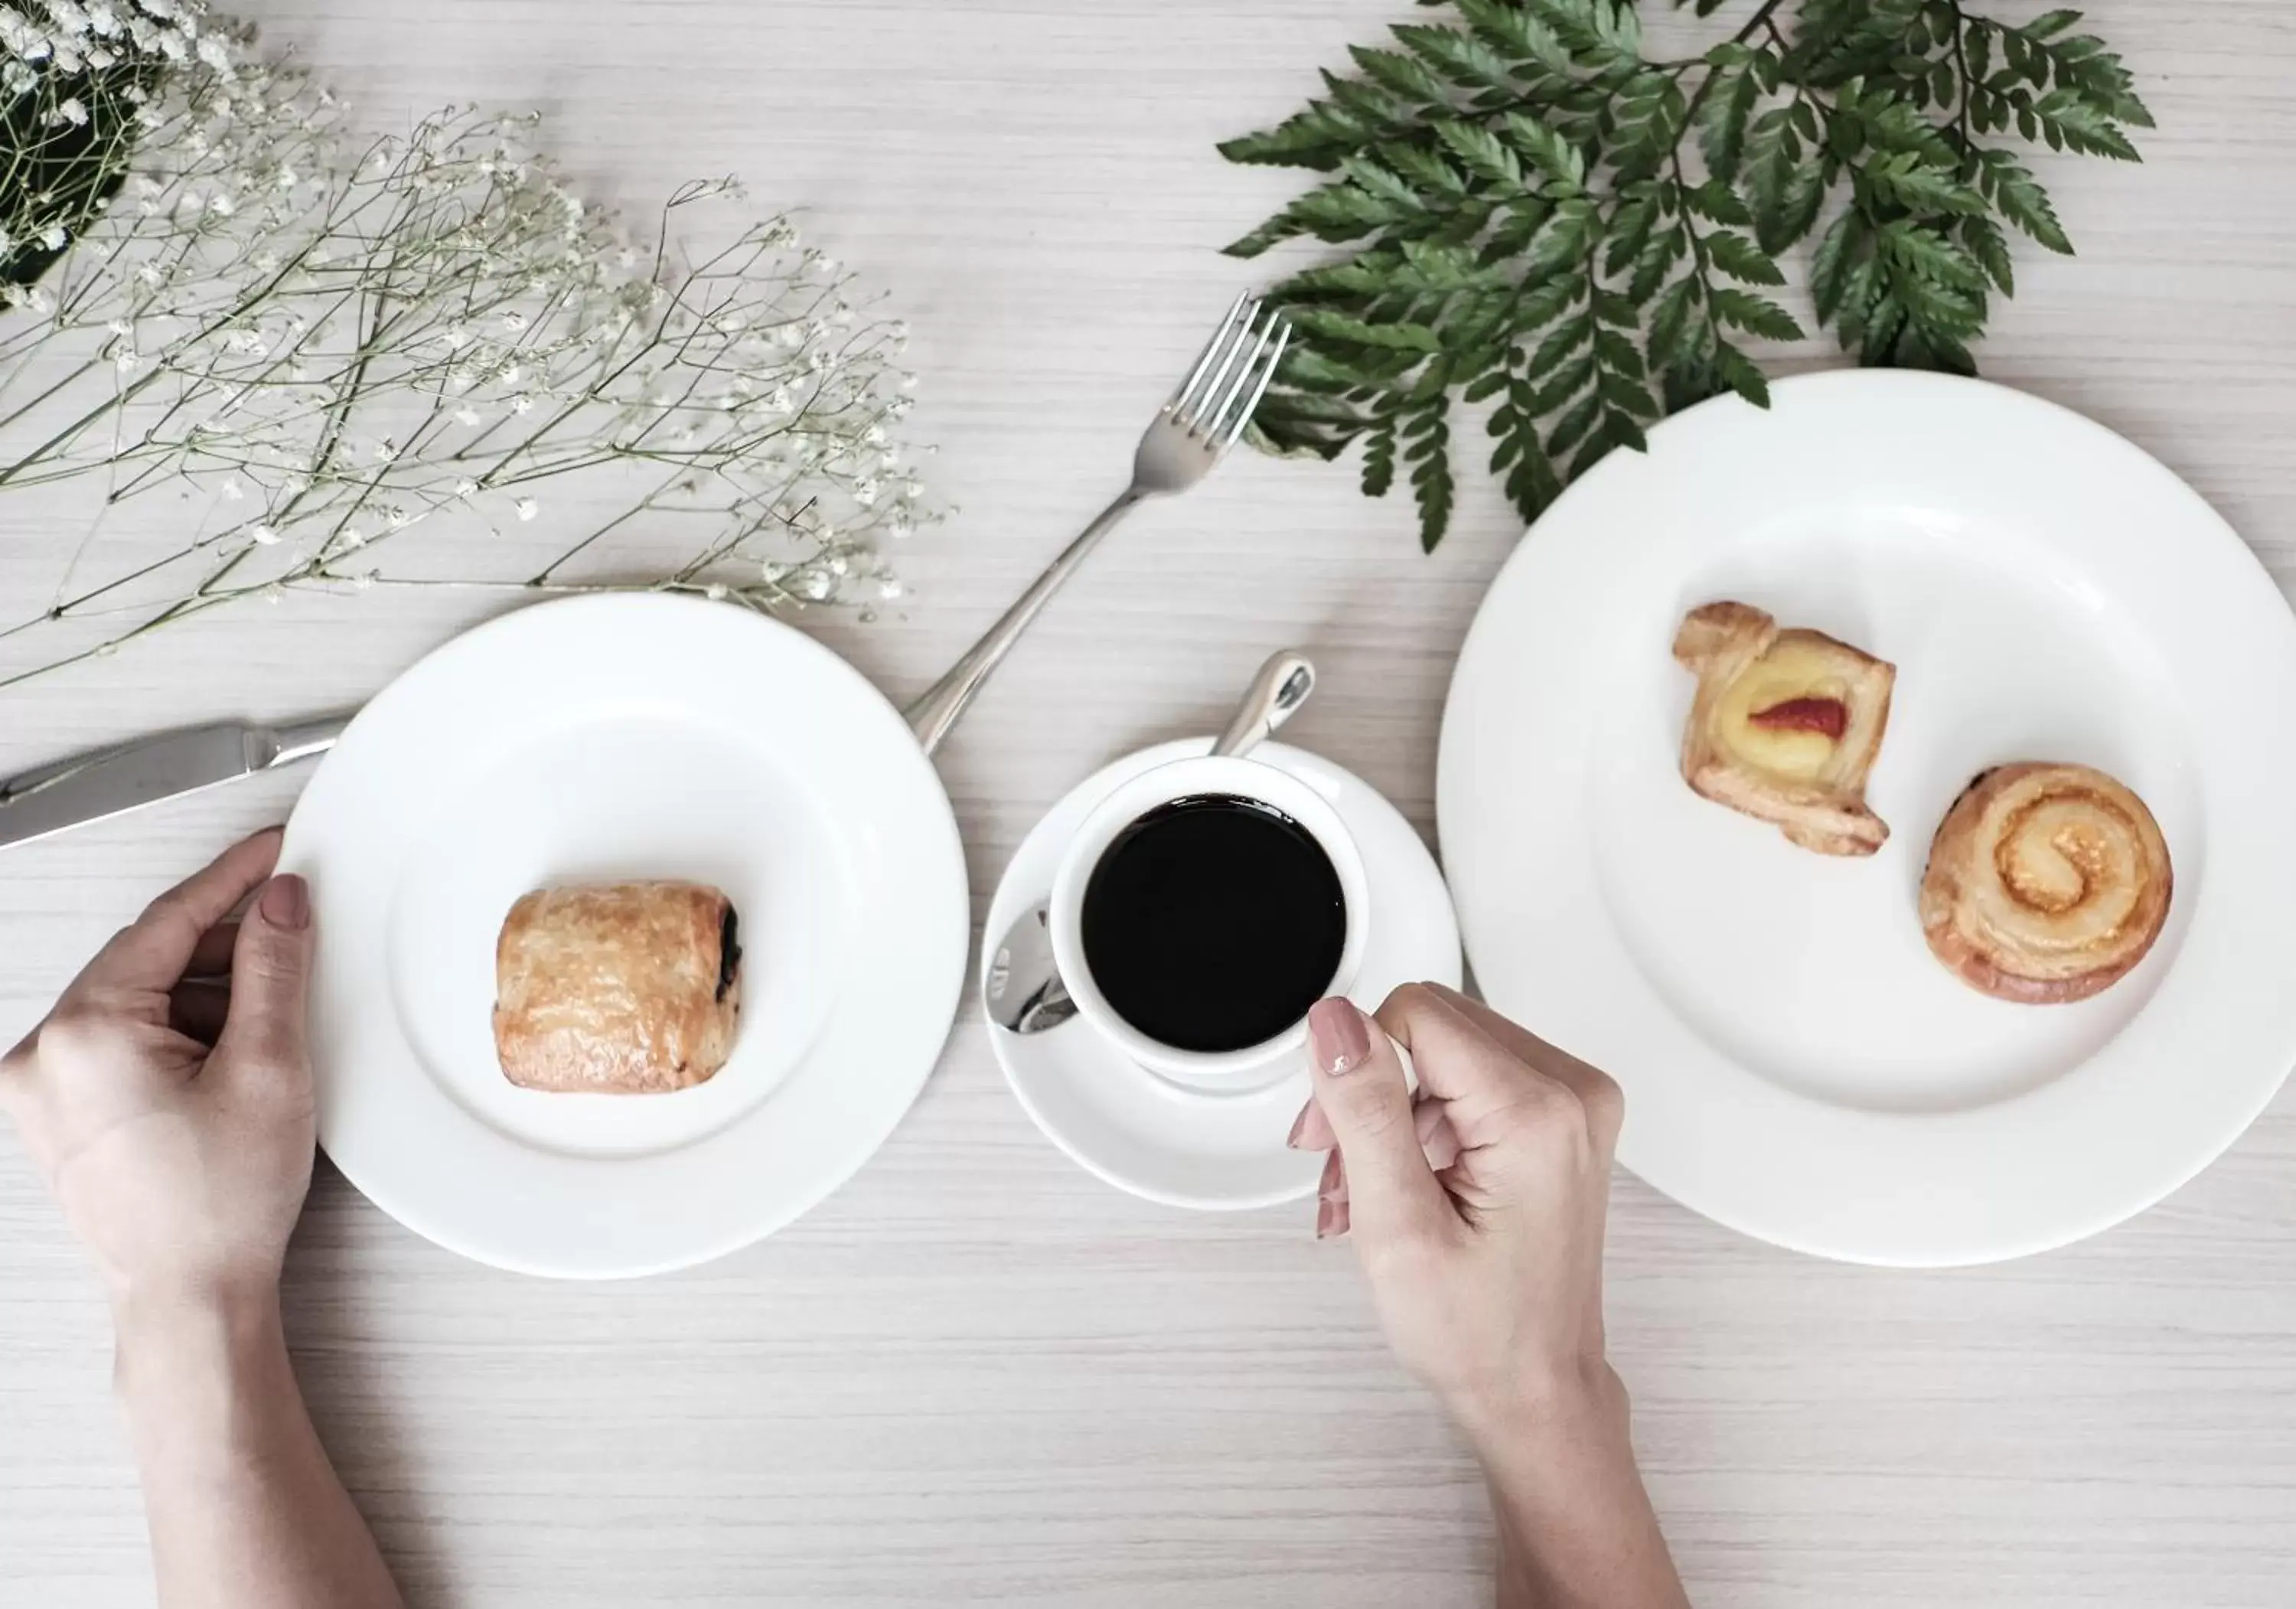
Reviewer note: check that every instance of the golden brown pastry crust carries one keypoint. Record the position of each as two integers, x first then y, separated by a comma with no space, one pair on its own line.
1819,802
2045,883
619,988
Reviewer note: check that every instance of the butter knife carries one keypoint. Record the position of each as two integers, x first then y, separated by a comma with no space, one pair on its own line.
110,782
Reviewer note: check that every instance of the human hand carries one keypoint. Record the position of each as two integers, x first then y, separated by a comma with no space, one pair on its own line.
171,1114
1478,1211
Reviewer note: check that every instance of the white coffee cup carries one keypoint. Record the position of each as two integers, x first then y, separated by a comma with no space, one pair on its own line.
1254,1066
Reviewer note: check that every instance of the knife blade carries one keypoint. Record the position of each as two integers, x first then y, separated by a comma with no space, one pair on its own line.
110,782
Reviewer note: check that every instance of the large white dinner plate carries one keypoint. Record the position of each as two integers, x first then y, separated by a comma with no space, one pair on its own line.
1796,1065
610,737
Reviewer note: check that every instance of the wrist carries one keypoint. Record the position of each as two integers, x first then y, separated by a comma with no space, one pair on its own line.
193,1343
1534,1407
1550,1431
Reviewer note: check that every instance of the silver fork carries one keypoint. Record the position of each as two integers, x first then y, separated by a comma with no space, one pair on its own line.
1202,419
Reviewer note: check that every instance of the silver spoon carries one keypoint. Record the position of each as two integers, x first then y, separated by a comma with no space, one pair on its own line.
1025,992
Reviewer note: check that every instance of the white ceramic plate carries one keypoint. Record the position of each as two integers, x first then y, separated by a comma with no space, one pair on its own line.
1190,1147
625,736
1796,1065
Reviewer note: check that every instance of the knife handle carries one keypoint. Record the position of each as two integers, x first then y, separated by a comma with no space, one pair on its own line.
307,738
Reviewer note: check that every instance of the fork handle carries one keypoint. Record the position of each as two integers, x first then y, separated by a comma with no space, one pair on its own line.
934,714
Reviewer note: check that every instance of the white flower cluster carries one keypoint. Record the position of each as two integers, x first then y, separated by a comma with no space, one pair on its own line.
351,344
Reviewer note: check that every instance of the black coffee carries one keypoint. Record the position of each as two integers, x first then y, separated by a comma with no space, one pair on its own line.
1213,923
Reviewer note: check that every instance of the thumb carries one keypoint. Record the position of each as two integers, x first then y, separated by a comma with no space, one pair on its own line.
270,971
1362,1091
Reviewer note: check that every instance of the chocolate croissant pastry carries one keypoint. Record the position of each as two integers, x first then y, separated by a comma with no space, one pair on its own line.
617,988
2045,883
1786,726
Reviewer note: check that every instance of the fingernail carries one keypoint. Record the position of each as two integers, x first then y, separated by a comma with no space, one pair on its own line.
1333,1185
1327,1219
1337,1034
286,902
1299,1126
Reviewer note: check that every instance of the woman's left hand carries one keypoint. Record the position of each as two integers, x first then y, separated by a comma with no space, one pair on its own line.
167,1097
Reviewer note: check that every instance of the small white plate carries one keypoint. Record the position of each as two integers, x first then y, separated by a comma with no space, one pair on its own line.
1186,1147
625,736
1796,1065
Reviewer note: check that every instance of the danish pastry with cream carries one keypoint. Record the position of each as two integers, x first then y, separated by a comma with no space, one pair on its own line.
1786,726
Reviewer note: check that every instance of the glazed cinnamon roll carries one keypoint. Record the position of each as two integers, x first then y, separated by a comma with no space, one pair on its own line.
2045,883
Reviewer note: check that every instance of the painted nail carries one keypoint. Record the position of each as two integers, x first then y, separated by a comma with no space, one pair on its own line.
1299,1126
286,903
1333,1185
1336,1031
1327,1217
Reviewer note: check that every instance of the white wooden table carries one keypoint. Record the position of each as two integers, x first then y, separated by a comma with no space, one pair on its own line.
977,1374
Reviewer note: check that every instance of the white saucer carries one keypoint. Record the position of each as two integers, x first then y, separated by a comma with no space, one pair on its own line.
1183,1147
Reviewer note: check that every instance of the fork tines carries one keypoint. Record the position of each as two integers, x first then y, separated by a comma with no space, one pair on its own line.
1215,402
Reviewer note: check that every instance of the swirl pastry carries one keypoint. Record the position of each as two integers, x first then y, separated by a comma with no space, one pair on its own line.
617,988
1786,726
2045,883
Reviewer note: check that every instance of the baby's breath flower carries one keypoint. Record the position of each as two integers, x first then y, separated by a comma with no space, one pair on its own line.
730,398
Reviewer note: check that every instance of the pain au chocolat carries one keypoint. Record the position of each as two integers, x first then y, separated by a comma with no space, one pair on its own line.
617,988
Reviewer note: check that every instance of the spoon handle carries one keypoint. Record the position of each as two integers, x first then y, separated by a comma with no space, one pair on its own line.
1281,687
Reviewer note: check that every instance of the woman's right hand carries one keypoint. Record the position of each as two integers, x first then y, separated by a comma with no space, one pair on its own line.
1478,1212
1487,1274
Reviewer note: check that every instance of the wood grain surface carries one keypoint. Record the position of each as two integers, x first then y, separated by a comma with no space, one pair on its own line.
977,1374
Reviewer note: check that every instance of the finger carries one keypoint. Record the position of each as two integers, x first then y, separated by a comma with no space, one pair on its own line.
1360,1086
212,955
1438,1142
1479,1081
269,980
1606,1104
153,951
1311,1131
1331,1198
197,1011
